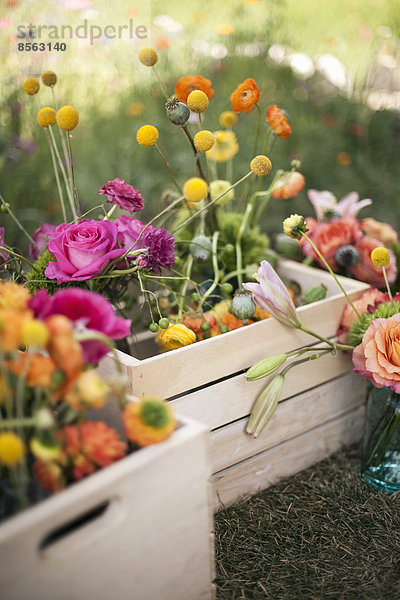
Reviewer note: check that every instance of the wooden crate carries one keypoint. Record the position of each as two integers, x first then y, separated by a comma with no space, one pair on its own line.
146,532
205,381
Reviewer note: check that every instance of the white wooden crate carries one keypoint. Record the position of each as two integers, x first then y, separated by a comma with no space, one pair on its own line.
205,381
153,541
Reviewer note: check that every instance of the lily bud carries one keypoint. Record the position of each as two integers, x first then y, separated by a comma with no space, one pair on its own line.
265,406
265,367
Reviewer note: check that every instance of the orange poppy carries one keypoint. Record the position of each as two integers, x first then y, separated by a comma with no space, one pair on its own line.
289,185
278,121
187,84
246,95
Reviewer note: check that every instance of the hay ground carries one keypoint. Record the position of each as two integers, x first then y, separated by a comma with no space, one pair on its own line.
323,534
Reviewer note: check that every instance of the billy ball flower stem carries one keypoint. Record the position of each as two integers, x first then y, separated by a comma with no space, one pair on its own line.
164,159
380,257
71,164
238,245
53,160
17,222
389,291
215,269
160,82
64,147
67,181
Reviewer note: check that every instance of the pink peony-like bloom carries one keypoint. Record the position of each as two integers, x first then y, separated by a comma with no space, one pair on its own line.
82,250
41,237
378,356
365,270
368,303
271,294
348,206
158,245
88,312
3,254
380,231
123,195
329,237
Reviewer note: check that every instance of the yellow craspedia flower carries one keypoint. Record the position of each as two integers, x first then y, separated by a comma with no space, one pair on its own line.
46,116
176,336
225,146
13,296
67,118
224,29
294,226
12,449
148,57
195,189
31,86
261,165
218,187
380,257
135,109
227,119
49,78
34,333
147,135
197,101
203,140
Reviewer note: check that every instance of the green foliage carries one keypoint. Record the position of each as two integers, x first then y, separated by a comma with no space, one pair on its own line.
37,280
358,329
254,243
386,310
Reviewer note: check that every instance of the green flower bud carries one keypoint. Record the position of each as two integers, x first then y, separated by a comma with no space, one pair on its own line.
195,296
4,208
226,288
286,246
163,323
314,293
265,367
271,256
229,249
44,419
200,248
178,113
243,306
153,327
205,326
224,329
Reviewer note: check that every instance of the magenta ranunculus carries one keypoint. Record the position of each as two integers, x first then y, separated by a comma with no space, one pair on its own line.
82,250
3,254
124,195
40,237
88,311
158,245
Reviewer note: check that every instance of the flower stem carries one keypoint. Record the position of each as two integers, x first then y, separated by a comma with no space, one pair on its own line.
163,89
215,268
332,273
18,223
387,285
71,164
53,160
187,272
28,262
178,187
63,171
240,234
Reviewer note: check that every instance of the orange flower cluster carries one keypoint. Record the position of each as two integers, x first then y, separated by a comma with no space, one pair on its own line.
278,121
185,85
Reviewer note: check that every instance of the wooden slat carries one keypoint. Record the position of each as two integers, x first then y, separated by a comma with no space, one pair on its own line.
230,444
286,459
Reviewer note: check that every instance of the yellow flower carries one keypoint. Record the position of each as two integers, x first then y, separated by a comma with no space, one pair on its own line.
31,86
46,116
294,226
218,187
12,449
147,135
380,257
227,119
225,146
197,101
91,389
225,29
195,189
13,296
67,118
203,140
49,78
148,57
261,165
149,421
177,335
135,109
34,333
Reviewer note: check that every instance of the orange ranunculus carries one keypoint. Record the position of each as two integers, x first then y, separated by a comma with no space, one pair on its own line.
63,348
246,95
289,185
278,121
378,355
195,324
365,270
11,322
38,369
380,231
187,84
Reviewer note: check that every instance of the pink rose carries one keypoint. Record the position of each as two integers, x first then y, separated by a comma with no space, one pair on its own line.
82,250
365,270
378,355
330,236
41,237
380,231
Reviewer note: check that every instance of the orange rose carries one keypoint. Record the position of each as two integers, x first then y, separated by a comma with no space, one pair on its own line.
278,121
330,236
365,270
246,95
380,231
289,185
187,84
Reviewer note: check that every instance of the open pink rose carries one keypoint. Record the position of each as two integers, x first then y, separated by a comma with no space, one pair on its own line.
82,250
378,355
330,236
365,270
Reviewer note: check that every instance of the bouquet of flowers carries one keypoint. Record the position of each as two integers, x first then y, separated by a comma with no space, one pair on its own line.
50,435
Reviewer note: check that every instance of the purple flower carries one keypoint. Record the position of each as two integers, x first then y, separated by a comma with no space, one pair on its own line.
271,294
3,254
41,237
124,195
88,311
158,245
82,250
